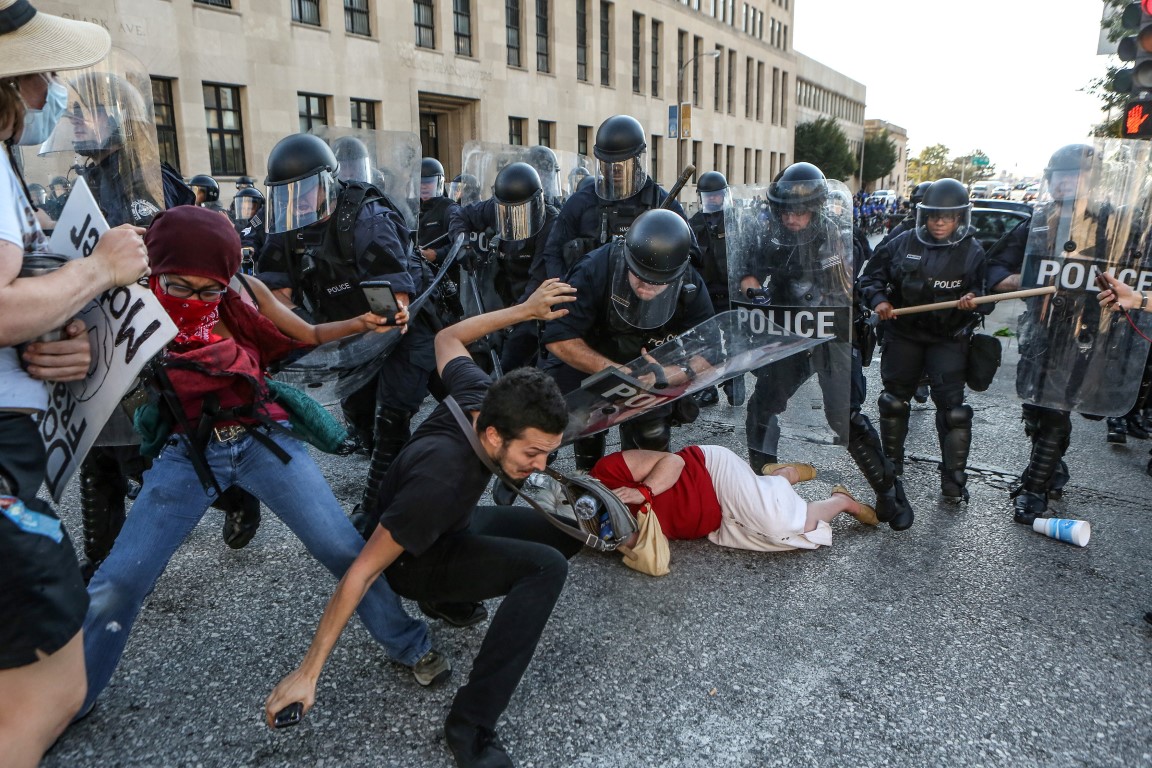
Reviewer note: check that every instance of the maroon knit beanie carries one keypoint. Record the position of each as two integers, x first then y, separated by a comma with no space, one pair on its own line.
189,240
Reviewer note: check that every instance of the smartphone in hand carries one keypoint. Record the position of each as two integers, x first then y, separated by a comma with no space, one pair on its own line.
289,716
381,299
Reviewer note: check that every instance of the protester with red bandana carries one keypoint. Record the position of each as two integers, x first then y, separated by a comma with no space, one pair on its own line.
226,432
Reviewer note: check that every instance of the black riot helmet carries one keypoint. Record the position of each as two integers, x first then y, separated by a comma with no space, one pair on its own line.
712,189
543,159
620,152
246,203
352,154
59,187
1065,168
244,182
945,200
38,193
519,202
650,268
797,190
202,182
431,178
301,181
918,192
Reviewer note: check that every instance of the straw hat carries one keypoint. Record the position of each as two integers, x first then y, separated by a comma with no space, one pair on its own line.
38,42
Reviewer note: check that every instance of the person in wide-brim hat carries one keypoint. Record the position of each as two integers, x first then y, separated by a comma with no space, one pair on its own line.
32,41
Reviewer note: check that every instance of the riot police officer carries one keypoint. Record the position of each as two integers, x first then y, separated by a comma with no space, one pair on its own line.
244,182
544,160
352,155
58,189
511,227
434,208
248,218
1049,429
318,263
207,191
939,260
591,218
631,296
464,189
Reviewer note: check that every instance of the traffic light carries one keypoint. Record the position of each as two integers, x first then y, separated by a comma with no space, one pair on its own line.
1136,81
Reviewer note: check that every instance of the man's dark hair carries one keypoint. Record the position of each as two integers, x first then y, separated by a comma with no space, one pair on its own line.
523,398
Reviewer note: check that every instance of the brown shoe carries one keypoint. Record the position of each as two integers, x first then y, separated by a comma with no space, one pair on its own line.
866,515
805,471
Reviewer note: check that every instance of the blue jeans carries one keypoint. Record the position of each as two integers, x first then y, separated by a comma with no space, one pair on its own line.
170,506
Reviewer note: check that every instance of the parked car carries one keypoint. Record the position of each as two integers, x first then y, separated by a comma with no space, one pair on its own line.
981,189
1030,193
884,196
992,219
1000,192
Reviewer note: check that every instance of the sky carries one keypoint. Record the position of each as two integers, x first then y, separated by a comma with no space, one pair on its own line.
1003,76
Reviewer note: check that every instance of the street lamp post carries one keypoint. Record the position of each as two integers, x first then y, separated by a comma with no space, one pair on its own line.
680,110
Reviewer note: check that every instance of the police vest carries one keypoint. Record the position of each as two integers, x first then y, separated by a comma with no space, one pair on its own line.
948,282
615,219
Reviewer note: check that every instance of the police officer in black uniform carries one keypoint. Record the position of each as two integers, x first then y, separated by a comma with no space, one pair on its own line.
1049,429
207,191
434,208
591,218
325,237
631,296
510,228
464,189
58,190
244,182
940,260
909,221
544,160
248,218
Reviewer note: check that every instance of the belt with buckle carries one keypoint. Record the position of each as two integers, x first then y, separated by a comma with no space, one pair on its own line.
227,434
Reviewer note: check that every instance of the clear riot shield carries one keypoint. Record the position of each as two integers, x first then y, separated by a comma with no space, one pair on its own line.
108,136
390,160
728,345
353,361
485,159
1075,356
790,267
574,168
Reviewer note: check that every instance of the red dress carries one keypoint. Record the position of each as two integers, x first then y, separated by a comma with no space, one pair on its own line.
687,510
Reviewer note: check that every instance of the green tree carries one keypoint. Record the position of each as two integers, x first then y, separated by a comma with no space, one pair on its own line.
879,158
965,169
822,143
1111,102
929,165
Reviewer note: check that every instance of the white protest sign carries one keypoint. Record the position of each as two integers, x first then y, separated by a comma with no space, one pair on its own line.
126,327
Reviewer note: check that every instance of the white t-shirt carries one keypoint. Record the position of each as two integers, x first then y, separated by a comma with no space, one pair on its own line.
18,226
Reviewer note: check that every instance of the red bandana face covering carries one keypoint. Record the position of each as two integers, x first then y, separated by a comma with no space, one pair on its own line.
194,318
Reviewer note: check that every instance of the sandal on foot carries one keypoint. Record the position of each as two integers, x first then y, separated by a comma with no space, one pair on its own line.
806,472
866,515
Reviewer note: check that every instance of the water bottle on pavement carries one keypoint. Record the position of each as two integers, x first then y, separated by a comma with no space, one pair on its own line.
585,507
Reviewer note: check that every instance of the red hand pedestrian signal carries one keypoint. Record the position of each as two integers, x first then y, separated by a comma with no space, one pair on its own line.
1136,119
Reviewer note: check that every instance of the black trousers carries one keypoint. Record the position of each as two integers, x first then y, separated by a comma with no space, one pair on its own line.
943,361
508,551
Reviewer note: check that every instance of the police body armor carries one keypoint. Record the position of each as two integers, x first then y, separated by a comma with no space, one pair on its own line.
710,234
914,288
614,220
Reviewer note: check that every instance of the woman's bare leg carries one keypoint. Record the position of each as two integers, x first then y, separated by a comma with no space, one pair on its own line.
38,701
788,473
827,510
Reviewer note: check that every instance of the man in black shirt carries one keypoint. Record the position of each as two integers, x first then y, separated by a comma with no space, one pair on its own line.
434,544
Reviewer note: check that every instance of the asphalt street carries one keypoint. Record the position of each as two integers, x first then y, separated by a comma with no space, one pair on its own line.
967,640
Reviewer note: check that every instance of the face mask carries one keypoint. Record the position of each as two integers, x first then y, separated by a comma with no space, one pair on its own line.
39,123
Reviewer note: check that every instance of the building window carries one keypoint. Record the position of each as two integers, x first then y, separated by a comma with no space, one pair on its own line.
225,129
583,133
605,43
731,161
654,153
164,105
313,109
783,99
542,62
731,81
364,114
424,16
747,166
356,17
512,28
217,4
759,96
749,85
306,11
775,97
462,26
656,59
546,130
637,53
697,54
759,166
718,84
582,40
516,131
717,156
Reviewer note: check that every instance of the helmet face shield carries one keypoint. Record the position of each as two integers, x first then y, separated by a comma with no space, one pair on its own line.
714,202
356,169
297,204
244,207
793,224
640,303
520,221
939,225
431,186
620,180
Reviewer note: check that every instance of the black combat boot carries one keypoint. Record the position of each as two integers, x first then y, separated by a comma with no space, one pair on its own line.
757,460
241,516
390,434
102,489
588,451
954,428
1027,506
1118,430
734,390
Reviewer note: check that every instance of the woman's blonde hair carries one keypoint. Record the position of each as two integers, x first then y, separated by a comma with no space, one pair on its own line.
11,108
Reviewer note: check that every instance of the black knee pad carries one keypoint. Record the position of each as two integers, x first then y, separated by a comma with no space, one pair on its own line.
890,405
859,427
958,416
1055,423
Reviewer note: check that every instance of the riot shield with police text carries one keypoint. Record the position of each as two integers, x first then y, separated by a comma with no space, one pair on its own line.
790,267
1093,215
107,135
390,160
729,345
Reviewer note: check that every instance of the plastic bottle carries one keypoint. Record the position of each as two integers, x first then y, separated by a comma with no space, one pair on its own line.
585,507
